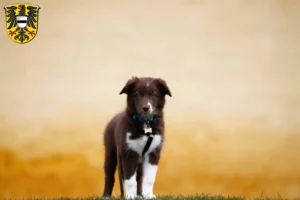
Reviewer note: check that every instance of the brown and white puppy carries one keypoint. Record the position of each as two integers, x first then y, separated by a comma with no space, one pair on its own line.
124,137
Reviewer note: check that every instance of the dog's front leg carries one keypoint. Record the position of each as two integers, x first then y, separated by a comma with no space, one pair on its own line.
150,166
129,165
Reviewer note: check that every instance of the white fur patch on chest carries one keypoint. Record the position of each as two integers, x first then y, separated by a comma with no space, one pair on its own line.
138,144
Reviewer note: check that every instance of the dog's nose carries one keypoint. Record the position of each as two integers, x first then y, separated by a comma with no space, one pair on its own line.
146,108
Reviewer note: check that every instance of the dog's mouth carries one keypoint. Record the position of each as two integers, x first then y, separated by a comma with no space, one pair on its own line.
148,115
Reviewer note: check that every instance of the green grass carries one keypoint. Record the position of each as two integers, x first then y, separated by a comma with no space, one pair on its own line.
197,197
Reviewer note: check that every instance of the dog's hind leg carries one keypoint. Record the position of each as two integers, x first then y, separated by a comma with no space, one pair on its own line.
139,179
120,172
110,169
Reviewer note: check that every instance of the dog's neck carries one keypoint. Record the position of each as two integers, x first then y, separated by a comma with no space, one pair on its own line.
143,120
146,125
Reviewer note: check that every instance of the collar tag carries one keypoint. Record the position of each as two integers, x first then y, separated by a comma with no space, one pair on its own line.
147,128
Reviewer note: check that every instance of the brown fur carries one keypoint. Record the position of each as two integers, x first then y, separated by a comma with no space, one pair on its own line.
139,91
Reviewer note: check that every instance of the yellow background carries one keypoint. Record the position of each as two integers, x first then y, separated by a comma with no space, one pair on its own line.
232,125
28,28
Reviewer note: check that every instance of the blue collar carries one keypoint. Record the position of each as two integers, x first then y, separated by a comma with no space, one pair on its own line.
139,119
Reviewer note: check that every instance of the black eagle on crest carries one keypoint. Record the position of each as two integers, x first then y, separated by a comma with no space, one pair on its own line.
12,21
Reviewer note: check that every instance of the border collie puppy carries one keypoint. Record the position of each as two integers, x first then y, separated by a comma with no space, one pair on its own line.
133,139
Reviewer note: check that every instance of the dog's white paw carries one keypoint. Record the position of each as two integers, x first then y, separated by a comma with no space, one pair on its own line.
149,196
131,196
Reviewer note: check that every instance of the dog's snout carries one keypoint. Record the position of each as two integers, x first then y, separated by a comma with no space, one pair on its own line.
146,108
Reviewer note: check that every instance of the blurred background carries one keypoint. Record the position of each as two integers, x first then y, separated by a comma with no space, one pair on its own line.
232,125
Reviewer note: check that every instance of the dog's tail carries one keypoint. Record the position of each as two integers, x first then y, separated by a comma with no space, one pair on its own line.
120,172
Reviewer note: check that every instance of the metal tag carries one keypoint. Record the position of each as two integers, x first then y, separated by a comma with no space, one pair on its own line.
147,128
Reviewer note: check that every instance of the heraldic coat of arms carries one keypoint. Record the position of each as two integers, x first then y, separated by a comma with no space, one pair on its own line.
21,22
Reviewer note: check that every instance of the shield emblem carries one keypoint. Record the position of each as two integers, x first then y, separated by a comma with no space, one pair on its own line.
22,22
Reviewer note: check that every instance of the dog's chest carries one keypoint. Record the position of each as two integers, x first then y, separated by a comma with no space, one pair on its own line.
138,144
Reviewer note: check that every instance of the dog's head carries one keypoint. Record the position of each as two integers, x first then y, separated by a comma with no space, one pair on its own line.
146,96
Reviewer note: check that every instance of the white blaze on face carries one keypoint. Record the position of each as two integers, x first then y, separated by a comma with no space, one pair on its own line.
130,186
150,105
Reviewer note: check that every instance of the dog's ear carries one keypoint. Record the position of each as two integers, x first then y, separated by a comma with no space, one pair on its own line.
129,85
162,86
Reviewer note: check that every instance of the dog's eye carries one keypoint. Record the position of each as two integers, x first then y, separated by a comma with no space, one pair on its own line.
137,94
155,94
